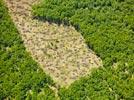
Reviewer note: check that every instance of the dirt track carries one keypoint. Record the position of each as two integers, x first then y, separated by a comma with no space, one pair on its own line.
60,50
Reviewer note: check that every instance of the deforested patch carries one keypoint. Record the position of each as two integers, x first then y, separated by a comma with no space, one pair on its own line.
60,50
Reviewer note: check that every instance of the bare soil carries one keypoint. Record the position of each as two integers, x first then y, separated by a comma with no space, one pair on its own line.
60,50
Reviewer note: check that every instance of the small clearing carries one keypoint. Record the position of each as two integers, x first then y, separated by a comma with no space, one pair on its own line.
60,50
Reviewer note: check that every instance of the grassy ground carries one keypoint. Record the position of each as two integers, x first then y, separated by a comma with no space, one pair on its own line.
20,75
107,27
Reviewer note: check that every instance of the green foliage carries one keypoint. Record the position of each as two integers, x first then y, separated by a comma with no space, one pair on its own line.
101,85
19,73
107,25
108,28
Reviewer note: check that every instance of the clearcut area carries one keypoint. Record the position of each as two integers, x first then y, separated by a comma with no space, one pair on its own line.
60,50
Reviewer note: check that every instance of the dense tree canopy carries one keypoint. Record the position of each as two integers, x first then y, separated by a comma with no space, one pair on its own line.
20,76
108,28
107,25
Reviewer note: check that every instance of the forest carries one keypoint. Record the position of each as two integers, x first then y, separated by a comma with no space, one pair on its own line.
20,76
108,29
